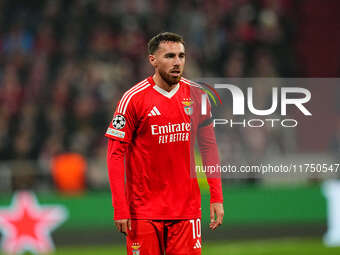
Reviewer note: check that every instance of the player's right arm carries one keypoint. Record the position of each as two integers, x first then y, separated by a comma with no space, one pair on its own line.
115,162
120,132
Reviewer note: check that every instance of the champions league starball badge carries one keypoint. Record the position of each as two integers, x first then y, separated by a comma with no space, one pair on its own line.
118,122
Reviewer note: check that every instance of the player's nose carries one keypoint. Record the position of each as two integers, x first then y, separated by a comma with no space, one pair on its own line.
177,61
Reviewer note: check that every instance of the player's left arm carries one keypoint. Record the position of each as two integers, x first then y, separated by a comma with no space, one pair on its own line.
210,157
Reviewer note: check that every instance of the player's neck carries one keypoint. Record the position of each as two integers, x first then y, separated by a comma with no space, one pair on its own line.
162,83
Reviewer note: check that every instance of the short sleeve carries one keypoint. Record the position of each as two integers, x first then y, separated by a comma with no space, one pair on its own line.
123,124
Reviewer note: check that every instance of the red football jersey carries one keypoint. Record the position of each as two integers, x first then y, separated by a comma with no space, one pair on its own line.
160,128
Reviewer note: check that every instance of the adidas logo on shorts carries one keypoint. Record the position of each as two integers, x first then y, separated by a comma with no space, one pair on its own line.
154,112
198,245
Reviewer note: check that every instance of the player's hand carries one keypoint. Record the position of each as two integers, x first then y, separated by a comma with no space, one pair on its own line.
216,215
123,226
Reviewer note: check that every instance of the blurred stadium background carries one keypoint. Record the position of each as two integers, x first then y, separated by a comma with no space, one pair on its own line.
65,64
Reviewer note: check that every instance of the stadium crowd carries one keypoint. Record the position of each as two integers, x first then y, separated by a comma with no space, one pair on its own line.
65,64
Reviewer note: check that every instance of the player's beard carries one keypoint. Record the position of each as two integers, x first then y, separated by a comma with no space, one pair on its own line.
168,78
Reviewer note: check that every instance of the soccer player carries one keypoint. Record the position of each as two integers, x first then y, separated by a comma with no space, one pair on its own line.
155,194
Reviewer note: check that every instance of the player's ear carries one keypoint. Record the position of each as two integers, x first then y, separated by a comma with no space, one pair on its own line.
152,60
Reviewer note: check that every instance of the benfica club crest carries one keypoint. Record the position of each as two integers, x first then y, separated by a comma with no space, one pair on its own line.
187,106
26,225
135,248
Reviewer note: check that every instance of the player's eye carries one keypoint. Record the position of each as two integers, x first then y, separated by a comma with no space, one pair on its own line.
169,55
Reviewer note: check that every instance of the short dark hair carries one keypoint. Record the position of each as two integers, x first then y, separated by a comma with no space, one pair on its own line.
153,44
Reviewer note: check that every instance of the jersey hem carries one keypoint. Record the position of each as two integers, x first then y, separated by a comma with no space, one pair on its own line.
135,217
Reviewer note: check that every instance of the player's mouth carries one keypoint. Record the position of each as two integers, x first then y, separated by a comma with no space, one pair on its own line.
175,72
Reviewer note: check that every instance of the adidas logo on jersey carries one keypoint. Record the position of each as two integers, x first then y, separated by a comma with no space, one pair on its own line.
154,112
198,245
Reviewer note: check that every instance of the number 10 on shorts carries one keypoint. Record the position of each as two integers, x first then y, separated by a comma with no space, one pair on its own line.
196,228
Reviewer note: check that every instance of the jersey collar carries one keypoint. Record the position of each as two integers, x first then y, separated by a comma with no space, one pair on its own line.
165,93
